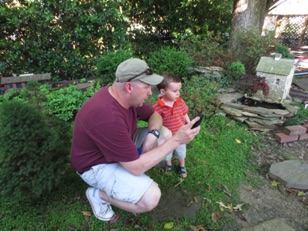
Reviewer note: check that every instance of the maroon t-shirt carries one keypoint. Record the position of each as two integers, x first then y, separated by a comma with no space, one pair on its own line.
103,132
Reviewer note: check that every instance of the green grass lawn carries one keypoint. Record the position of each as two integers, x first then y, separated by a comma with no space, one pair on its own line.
218,161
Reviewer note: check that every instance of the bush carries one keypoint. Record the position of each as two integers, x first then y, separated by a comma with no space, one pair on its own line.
107,64
284,51
65,102
208,50
300,118
237,70
60,39
33,150
201,96
168,59
251,47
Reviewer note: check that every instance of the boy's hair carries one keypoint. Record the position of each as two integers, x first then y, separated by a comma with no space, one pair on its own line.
168,78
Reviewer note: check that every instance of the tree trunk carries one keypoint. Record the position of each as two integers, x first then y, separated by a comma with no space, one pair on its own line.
248,15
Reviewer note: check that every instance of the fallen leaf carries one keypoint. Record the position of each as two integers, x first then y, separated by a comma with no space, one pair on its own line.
222,205
219,215
114,219
181,181
238,141
196,199
274,183
86,213
214,218
243,218
300,193
230,207
238,207
168,225
69,227
197,228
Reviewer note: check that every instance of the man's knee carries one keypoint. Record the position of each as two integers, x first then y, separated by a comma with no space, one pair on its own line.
151,198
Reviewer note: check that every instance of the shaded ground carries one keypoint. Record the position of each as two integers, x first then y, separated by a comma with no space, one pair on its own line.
266,202
262,202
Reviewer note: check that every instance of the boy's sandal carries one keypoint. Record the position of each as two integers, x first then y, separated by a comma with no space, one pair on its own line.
168,169
183,172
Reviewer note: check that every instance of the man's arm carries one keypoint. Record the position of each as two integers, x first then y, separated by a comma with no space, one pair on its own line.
154,156
155,122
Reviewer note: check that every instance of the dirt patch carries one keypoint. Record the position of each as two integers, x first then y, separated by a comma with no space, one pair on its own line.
262,202
175,204
265,202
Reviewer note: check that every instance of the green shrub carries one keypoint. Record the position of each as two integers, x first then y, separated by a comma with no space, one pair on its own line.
237,67
251,46
201,96
237,70
65,102
33,150
60,39
168,59
107,64
300,118
284,51
207,50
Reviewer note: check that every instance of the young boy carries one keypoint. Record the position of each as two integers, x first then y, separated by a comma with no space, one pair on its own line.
174,111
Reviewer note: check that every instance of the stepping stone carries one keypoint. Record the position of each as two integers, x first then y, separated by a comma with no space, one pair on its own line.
292,173
276,224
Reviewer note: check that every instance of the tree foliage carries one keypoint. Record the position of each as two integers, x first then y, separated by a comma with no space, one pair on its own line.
63,37
56,36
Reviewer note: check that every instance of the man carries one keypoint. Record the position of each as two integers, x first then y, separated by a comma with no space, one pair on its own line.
111,154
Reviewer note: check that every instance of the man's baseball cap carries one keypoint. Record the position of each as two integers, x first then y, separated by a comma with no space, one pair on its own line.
133,69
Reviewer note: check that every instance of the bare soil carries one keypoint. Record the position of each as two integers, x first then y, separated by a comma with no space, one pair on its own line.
262,202
265,202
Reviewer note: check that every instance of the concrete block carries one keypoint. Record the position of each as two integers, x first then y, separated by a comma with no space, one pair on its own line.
303,137
294,130
283,138
306,126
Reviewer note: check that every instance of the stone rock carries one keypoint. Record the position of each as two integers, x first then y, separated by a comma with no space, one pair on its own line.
292,173
277,224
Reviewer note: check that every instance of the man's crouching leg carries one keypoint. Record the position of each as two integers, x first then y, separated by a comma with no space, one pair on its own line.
147,202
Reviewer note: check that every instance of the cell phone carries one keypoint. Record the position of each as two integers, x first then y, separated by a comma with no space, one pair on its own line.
198,122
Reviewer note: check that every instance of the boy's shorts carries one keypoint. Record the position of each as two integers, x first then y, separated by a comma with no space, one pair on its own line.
179,153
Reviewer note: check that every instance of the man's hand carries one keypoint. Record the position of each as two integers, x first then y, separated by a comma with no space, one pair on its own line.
185,134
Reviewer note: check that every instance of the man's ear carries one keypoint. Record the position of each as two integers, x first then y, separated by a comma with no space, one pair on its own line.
128,87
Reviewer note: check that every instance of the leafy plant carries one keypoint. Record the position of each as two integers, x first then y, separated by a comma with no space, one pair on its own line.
284,51
251,47
200,95
207,50
107,64
60,39
300,118
33,150
65,102
170,60
237,70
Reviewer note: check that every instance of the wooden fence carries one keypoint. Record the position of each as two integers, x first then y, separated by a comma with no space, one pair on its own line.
290,30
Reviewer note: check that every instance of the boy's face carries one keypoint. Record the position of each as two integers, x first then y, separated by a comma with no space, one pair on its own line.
172,91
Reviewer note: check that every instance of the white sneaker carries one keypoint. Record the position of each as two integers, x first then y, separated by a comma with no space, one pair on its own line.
102,211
